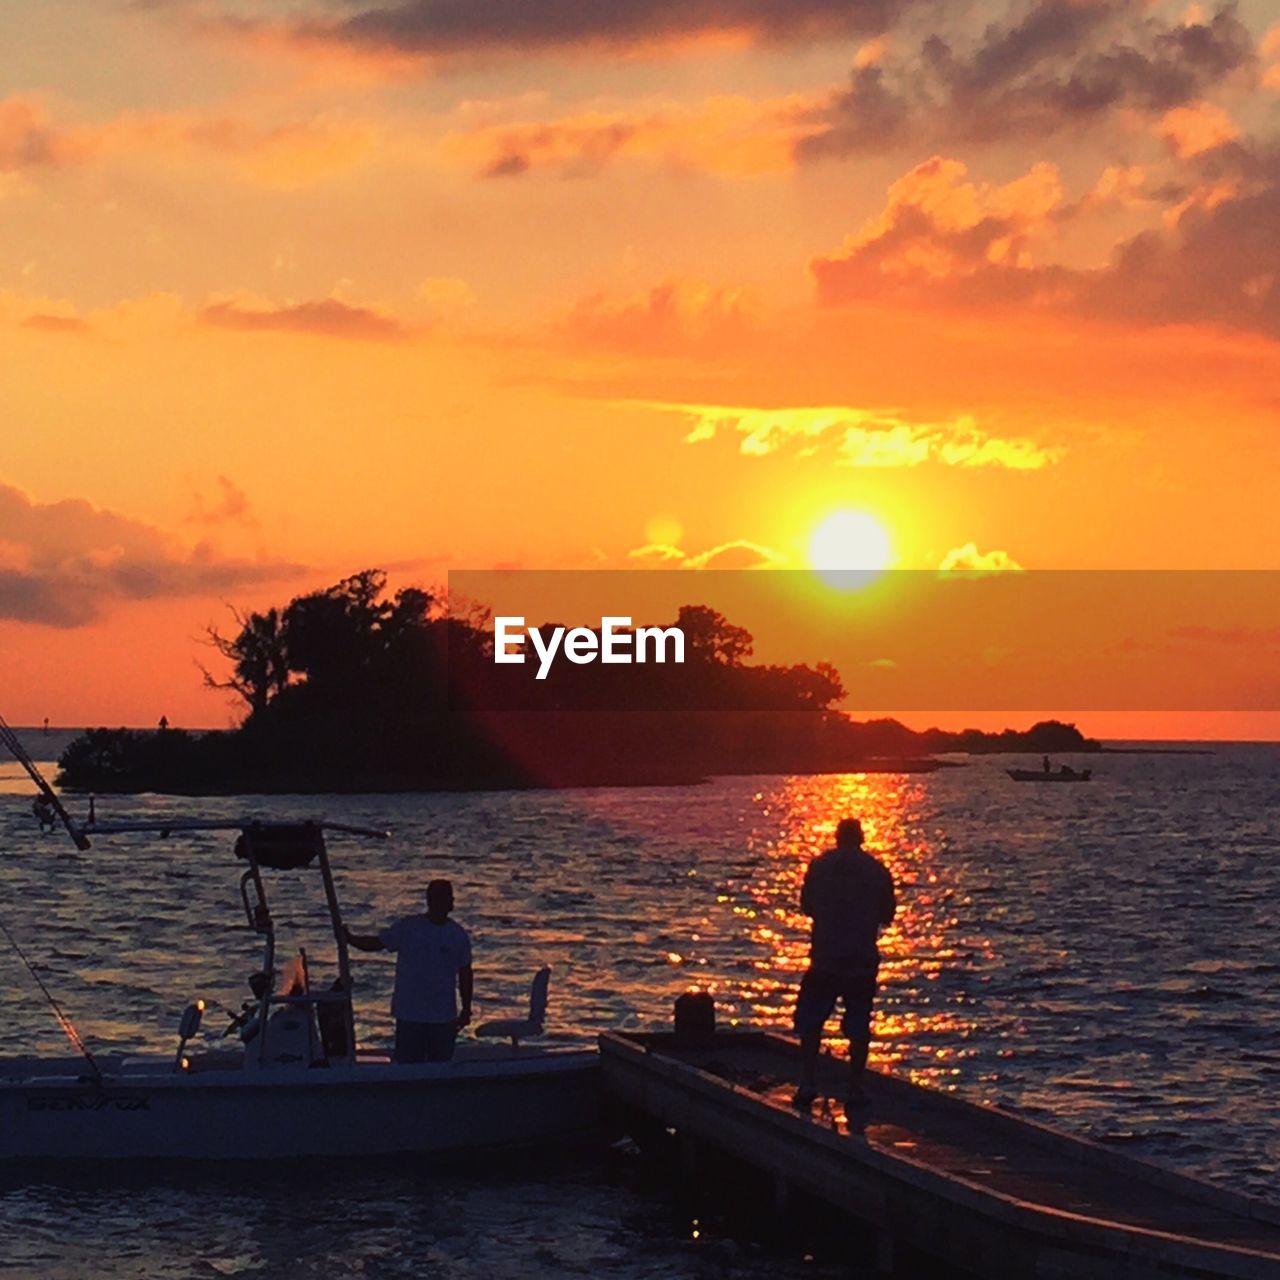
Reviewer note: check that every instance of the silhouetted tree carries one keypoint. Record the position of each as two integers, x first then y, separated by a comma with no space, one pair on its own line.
349,688
710,637
332,636
259,662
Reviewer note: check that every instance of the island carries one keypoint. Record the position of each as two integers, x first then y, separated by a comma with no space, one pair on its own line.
352,689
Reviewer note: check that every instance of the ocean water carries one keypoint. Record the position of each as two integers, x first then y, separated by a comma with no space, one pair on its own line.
1101,956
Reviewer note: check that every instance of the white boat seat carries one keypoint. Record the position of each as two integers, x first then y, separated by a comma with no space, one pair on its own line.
517,1029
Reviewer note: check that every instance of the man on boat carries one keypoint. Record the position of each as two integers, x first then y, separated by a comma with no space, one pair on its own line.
433,967
849,896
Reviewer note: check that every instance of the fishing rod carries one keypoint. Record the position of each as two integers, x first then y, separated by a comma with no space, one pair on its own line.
64,1021
47,793
50,798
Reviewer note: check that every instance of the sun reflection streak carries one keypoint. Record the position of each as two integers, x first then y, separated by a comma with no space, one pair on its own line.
923,1013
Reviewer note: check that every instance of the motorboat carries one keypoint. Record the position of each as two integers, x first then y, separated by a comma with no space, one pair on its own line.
1063,774
295,1083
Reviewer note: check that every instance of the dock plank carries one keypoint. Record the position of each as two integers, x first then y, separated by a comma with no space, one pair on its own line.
1077,1194
1014,1166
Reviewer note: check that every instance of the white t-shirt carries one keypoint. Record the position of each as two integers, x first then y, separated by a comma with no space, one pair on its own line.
428,957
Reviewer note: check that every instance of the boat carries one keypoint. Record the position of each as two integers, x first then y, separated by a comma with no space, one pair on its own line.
293,1081
938,1179
1064,774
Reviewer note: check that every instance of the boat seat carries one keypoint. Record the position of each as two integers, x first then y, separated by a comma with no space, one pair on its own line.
517,1029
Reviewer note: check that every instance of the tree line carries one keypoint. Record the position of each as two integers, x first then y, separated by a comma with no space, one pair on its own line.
354,688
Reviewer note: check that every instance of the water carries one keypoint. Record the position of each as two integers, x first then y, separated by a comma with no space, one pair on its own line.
1101,956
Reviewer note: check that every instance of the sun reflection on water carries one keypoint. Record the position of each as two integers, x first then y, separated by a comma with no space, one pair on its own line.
1108,964
922,1012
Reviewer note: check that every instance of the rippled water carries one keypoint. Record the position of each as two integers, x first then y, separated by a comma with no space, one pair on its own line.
1101,955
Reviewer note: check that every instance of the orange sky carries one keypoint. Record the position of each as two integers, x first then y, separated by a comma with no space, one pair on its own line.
286,291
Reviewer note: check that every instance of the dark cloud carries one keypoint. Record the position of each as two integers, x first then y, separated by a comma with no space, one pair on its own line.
64,564
451,27
1063,65
327,318
1220,265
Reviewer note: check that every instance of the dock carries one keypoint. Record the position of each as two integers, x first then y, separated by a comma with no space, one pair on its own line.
978,1189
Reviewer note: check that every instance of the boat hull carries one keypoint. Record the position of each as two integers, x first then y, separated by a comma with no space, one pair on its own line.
362,1110
1038,775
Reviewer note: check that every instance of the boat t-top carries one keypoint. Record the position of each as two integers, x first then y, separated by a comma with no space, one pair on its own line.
295,1083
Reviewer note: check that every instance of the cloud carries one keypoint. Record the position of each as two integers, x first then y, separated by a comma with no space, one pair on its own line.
444,29
64,564
1216,261
30,140
673,317
939,226
1194,129
1063,64
1249,636
447,297
731,136
327,317
944,241
862,437
49,322
740,553
287,155
657,555
283,155
1270,49
229,506
1118,186
969,560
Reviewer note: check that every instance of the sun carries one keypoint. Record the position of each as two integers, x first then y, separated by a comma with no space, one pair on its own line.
850,548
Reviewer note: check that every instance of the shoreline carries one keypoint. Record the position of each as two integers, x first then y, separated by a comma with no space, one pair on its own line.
384,785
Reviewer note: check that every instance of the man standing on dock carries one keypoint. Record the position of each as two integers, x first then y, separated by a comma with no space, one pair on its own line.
849,896
433,966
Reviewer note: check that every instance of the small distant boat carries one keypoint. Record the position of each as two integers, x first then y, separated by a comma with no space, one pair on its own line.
1064,774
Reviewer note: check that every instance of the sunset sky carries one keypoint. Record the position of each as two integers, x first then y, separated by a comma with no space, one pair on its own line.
292,289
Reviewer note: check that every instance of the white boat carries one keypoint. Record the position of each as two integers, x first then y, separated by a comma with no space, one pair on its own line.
137,1109
296,1084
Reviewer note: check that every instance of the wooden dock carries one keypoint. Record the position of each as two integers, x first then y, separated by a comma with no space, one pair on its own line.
976,1188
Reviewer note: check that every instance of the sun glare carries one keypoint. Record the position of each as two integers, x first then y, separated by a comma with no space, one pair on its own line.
850,548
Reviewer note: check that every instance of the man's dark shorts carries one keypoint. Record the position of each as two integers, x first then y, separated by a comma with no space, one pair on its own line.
819,991
425,1041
